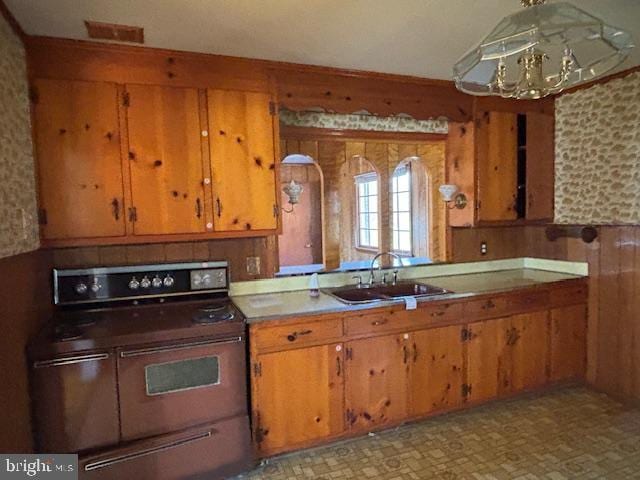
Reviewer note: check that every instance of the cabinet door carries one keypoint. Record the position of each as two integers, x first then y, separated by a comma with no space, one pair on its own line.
436,370
497,146
568,342
243,160
527,342
300,397
377,375
540,166
486,351
165,160
78,149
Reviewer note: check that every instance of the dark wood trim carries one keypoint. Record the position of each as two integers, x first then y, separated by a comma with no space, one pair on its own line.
11,20
313,133
597,81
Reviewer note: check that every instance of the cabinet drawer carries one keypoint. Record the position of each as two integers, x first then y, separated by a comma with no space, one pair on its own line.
486,308
573,295
215,451
297,333
528,301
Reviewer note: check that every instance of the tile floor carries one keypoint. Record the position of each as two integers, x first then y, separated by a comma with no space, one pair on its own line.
572,433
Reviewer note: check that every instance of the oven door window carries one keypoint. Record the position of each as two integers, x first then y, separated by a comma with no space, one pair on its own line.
178,376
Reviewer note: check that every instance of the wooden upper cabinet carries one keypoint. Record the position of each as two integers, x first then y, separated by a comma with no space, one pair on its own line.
436,375
496,143
79,165
299,396
165,160
377,381
540,155
243,160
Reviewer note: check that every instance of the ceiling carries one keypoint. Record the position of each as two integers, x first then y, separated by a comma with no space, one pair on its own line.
413,37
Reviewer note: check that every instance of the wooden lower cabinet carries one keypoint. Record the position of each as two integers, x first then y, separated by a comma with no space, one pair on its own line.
568,342
300,396
377,370
436,374
507,355
377,383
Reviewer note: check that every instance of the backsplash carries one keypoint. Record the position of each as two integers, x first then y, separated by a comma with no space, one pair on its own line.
598,154
18,209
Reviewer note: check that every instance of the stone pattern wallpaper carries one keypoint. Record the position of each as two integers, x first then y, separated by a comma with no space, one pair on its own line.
598,154
18,207
362,121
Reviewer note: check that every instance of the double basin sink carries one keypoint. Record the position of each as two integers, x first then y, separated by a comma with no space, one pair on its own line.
379,293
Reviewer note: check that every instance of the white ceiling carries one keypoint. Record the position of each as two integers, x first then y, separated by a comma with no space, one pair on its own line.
413,37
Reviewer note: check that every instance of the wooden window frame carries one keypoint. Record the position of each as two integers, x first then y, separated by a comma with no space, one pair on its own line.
360,179
394,196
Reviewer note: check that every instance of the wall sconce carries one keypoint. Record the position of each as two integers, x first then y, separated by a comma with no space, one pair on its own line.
451,196
293,191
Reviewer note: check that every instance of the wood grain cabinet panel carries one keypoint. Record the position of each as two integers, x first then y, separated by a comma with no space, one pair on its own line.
540,166
496,143
377,381
568,342
300,395
485,353
77,141
243,160
165,160
525,365
436,376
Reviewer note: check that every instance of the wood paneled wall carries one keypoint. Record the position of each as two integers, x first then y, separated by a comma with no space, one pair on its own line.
25,304
614,302
235,250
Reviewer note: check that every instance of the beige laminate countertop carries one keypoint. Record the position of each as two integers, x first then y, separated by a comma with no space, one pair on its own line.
269,306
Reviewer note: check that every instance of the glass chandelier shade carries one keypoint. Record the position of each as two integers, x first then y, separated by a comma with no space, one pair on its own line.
541,50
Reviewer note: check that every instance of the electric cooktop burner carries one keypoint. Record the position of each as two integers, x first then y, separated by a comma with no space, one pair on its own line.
213,314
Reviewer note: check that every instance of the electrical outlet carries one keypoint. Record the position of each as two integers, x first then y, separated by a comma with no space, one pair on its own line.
484,249
253,265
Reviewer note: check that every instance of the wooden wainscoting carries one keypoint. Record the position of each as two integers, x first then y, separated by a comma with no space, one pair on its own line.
234,250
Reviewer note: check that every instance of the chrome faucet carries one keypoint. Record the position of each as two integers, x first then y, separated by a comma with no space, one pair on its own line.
372,277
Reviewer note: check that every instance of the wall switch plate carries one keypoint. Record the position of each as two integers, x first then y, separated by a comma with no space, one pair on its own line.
253,265
484,249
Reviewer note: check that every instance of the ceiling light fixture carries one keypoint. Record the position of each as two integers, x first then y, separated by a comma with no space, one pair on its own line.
540,51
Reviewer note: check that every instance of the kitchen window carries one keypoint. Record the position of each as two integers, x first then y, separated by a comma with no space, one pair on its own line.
367,206
401,210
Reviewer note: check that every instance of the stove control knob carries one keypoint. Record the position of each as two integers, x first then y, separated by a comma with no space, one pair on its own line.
168,281
81,289
156,282
134,284
145,282
95,286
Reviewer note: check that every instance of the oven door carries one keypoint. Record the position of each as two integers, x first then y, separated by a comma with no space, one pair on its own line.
167,387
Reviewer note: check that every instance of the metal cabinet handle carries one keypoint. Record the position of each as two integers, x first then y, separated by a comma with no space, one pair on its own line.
198,208
377,323
415,353
148,451
338,366
405,351
293,336
175,348
58,362
488,305
218,207
115,206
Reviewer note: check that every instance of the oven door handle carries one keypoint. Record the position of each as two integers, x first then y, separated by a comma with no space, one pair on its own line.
174,348
108,462
59,362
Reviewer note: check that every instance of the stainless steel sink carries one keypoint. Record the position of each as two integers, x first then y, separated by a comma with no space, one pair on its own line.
378,293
